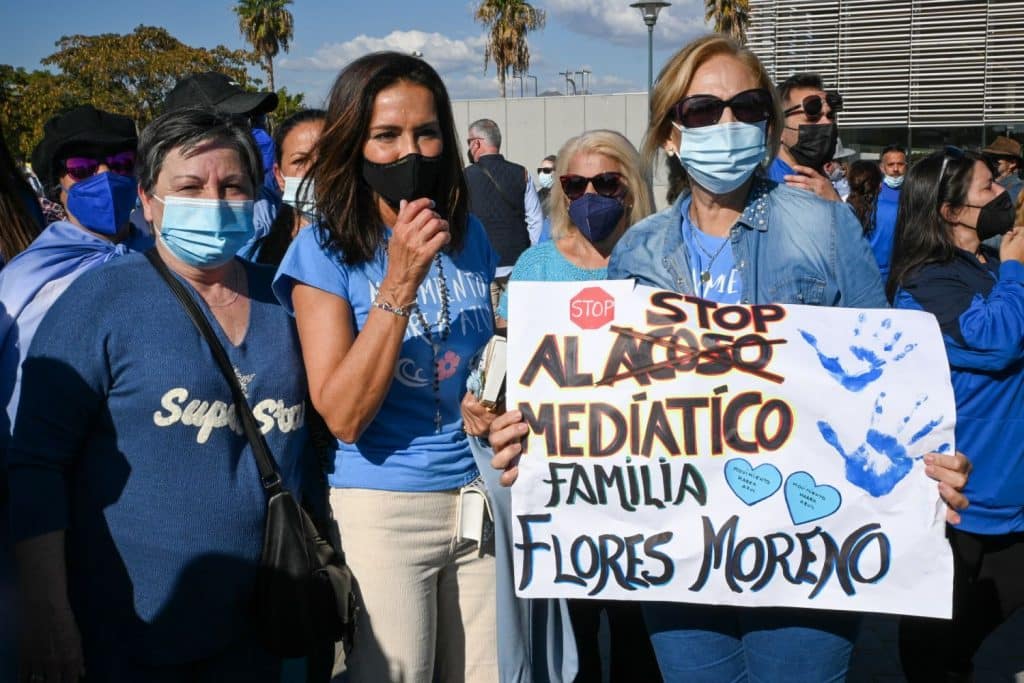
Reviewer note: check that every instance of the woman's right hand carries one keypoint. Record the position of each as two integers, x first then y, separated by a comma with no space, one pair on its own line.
49,646
1012,245
418,234
507,432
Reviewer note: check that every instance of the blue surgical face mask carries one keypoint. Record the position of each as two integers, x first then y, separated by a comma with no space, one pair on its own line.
298,192
723,156
205,233
104,202
893,181
596,216
546,180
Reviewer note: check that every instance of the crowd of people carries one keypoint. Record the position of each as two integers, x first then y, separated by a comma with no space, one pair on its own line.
353,269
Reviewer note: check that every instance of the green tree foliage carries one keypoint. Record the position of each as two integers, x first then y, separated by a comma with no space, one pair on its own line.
27,101
730,16
127,74
508,22
268,26
288,104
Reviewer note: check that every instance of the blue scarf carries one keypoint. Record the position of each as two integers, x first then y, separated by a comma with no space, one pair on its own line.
59,251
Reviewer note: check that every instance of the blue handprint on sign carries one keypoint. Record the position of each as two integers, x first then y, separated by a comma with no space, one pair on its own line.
866,357
881,461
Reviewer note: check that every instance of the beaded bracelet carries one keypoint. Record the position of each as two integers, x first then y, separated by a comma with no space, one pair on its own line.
400,311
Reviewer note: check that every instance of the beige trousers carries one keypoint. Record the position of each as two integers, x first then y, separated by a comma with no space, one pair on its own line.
428,601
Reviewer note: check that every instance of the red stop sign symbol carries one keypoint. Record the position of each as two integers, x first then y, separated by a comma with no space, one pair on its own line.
592,308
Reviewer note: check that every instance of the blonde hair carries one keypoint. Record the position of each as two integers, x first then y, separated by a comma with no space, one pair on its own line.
614,146
674,82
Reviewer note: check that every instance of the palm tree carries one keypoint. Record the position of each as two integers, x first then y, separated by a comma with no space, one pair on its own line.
509,21
731,17
267,25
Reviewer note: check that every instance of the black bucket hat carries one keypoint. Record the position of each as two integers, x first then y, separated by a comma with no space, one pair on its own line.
212,90
84,126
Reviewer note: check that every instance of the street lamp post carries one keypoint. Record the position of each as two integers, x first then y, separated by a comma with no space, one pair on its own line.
649,11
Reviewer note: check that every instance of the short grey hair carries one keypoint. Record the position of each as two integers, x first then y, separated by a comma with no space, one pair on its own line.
488,130
186,129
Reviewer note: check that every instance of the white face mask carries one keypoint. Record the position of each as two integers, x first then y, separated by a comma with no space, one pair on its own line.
893,181
292,186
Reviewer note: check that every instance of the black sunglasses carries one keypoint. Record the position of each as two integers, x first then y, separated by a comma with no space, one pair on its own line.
813,106
546,169
697,111
608,184
950,152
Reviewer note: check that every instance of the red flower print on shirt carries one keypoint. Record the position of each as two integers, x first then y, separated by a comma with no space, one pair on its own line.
447,365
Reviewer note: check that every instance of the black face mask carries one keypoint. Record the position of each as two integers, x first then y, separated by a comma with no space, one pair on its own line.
411,177
815,144
995,218
469,155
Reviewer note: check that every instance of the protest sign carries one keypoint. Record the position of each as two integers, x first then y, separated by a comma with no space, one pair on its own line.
681,450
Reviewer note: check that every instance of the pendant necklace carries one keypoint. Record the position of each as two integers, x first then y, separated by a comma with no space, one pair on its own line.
444,326
705,273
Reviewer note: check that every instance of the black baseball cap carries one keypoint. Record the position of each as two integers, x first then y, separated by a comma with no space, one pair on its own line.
212,90
82,127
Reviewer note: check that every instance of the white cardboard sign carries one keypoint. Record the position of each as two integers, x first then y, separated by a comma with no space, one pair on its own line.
681,450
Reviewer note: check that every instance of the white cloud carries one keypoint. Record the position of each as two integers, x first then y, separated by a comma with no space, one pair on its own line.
617,22
443,53
460,62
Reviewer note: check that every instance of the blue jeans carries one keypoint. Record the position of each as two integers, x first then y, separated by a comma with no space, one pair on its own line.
713,644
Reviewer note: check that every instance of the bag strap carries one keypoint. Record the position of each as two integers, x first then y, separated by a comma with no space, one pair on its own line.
269,477
501,193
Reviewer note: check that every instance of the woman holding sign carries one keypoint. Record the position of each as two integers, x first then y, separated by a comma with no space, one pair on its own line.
949,206
733,236
390,291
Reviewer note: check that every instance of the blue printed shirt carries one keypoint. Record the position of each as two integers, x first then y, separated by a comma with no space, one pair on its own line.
127,438
400,450
712,255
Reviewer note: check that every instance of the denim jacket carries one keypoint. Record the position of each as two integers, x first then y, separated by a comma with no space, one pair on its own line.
790,247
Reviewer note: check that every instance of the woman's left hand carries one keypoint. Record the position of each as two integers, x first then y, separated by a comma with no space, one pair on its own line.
476,419
952,472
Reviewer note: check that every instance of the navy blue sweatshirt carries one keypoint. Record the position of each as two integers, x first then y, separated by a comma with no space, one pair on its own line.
980,309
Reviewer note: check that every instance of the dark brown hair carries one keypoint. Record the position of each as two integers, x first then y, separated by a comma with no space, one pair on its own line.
865,180
17,226
923,236
346,204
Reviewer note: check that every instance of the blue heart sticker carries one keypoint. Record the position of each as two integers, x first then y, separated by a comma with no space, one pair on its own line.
752,484
807,500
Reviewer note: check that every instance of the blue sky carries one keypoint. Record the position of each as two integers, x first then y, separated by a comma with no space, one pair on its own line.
605,36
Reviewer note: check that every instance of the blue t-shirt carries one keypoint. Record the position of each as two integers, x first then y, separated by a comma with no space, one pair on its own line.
882,236
714,255
779,170
126,437
401,450
544,263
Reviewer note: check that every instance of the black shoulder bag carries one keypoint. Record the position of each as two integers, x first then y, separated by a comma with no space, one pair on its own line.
303,595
